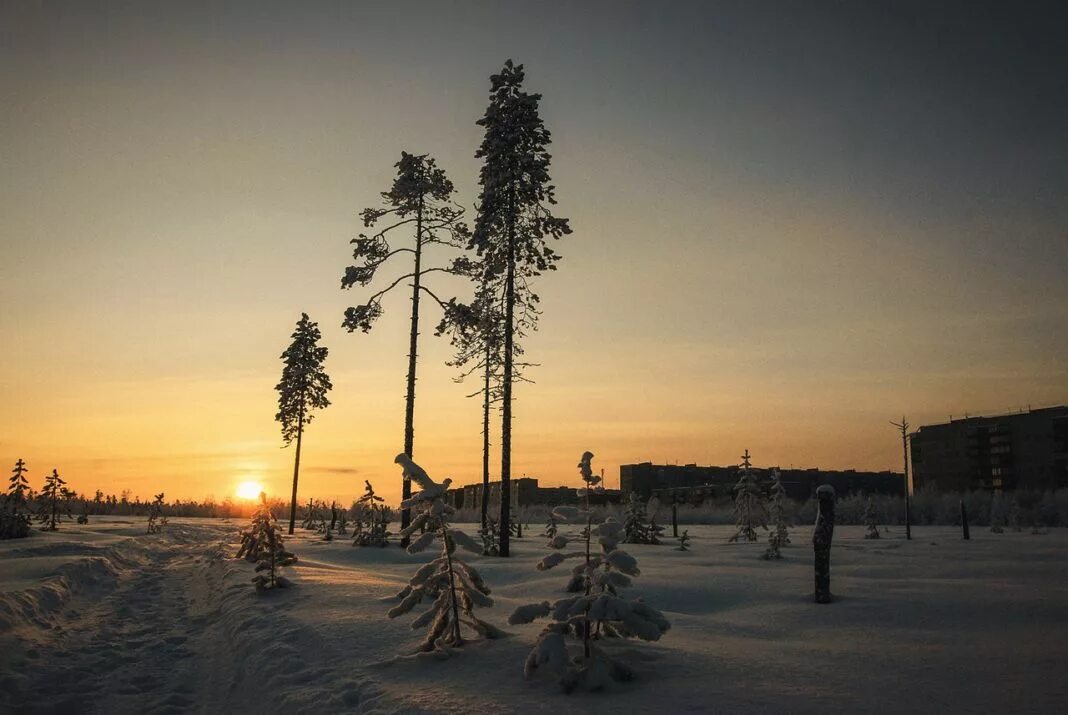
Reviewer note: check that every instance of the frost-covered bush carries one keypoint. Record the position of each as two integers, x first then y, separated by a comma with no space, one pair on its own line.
870,521
749,511
14,505
684,541
156,520
453,587
262,543
637,528
372,519
490,536
779,535
571,644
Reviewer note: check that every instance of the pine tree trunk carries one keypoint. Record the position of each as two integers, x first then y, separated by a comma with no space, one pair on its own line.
296,472
675,520
964,521
506,391
486,430
413,344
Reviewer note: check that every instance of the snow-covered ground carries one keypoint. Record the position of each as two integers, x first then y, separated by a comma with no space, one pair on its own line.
105,618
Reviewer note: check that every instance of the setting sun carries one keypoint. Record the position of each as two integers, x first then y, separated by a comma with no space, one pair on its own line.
249,490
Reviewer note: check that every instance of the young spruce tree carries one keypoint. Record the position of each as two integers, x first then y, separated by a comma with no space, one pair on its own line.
156,519
420,199
749,511
14,512
302,389
262,543
52,494
870,521
511,231
453,587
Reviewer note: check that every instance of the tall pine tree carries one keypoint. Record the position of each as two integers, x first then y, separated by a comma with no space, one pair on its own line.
302,389
53,491
511,231
420,198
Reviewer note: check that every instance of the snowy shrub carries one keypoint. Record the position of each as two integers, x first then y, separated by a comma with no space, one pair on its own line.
14,507
156,520
779,535
684,541
262,543
870,521
372,519
749,511
637,528
570,645
453,587
491,537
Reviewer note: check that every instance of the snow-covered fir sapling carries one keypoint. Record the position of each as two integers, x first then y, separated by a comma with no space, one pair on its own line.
997,514
570,644
870,521
49,512
343,523
556,540
637,529
454,587
156,520
779,535
684,541
14,512
262,544
491,537
373,520
312,517
749,511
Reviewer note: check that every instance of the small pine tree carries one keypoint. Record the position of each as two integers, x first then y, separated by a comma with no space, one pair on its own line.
311,517
156,520
779,535
376,518
637,527
262,543
684,541
14,511
342,523
1015,516
598,613
870,521
454,587
556,539
491,537
997,514
749,508
52,494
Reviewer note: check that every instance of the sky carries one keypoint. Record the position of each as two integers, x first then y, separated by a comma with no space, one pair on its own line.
793,223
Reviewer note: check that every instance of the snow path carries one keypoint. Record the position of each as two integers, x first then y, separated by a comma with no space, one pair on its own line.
107,619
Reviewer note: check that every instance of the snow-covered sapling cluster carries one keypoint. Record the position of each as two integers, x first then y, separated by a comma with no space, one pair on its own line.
372,519
779,535
262,544
491,537
870,521
343,523
156,519
556,540
684,541
637,528
570,644
454,588
14,505
313,517
749,511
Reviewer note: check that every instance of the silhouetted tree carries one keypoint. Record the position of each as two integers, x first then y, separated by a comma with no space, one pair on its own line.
51,494
421,197
513,223
302,389
156,520
14,515
262,543
749,511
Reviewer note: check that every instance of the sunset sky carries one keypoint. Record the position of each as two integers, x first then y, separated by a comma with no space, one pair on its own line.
793,222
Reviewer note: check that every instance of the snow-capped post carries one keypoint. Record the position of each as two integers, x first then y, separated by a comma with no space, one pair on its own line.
302,389
454,587
964,521
779,535
420,198
749,510
512,229
870,521
599,578
821,542
263,543
675,519
156,520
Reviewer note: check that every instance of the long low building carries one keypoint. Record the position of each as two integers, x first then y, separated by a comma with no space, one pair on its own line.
693,483
525,491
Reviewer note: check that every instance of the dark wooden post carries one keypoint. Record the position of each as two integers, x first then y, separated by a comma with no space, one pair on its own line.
675,519
964,520
821,542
